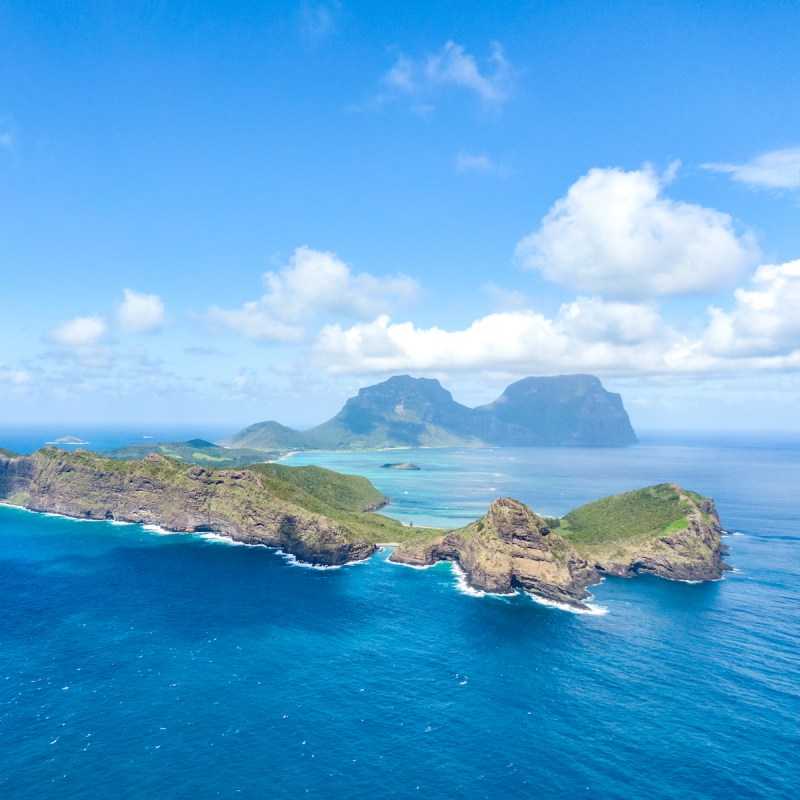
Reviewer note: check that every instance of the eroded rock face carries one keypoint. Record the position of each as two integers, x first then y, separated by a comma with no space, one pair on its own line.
513,548
509,548
692,554
156,491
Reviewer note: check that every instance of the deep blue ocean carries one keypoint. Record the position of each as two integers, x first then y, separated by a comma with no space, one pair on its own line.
134,664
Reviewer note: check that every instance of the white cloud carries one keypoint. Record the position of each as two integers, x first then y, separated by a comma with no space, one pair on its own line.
83,339
586,335
453,67
480,163
456,67
615,233
312,284
80,332
765,320
760,334
778,169
140,313
20,380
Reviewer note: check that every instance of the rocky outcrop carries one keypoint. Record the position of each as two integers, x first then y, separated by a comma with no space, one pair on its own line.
693,552
159,491
508,549
660,530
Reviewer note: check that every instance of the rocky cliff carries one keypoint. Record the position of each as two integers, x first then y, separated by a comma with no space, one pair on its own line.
418,412
662,530
509,548
158,491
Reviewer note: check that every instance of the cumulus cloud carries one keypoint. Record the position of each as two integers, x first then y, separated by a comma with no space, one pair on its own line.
140,313
313,283
615,233
765,319
760,333
587,334
453,67
778,169
82,338
80,332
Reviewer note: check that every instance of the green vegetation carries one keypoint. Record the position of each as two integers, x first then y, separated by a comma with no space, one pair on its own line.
195,451
19,499
656,510
308,490
8,453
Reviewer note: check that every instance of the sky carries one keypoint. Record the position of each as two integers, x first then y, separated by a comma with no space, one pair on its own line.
231,212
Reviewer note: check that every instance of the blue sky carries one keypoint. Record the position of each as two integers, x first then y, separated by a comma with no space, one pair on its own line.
222,213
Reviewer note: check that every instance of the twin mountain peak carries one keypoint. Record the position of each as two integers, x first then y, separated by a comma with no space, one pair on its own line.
403,411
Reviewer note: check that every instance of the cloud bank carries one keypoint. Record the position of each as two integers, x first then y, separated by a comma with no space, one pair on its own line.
761,332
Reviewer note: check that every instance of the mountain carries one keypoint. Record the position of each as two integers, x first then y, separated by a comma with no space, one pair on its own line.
400,412
267,436
418,412
564,410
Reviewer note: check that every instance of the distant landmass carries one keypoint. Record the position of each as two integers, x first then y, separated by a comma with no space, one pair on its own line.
195,451
69,440
565,410
322,517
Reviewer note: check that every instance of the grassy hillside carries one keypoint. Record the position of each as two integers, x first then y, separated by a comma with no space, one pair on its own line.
653,511
195,451
8,453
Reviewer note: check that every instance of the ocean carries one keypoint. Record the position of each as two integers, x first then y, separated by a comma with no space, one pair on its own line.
134,664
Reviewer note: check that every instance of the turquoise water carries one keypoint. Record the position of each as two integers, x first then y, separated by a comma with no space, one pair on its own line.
141,665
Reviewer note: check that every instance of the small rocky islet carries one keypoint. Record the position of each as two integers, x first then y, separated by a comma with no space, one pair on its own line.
325,518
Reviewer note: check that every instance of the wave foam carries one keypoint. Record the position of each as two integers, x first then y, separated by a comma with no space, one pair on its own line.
465,588
587,608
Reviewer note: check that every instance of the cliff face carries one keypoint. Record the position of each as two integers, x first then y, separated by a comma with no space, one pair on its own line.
688,549
563,410
509,548
661,530
156,491
405,411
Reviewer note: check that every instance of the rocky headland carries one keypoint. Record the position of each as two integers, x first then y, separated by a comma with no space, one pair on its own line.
660,530
241,504
322,517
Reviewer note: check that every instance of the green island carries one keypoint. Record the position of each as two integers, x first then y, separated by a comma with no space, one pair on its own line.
326,518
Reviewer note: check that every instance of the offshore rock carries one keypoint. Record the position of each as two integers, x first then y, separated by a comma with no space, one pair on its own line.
509,548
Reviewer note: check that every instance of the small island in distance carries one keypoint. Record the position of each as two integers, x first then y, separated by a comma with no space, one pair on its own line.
69,440
400,465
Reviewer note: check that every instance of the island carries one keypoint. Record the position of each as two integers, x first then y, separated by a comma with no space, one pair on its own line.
403,411
69,440
195,451
400,465
325,518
